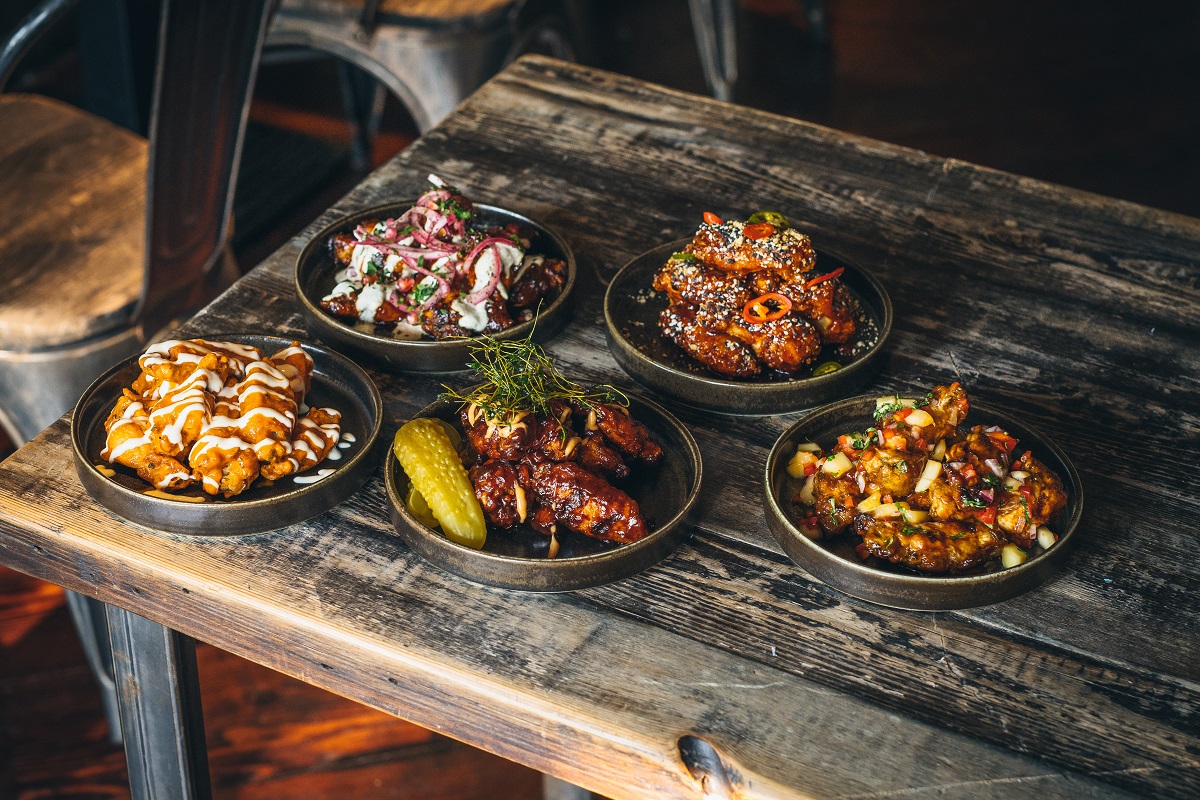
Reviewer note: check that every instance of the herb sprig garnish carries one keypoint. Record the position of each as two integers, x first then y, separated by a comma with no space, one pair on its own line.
520,377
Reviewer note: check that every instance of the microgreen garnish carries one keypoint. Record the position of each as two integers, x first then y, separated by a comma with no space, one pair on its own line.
519,376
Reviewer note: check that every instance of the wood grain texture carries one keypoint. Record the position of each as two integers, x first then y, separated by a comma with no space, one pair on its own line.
1077,312
72,223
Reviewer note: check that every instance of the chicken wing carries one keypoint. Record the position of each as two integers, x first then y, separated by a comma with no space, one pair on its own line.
939,546
586,503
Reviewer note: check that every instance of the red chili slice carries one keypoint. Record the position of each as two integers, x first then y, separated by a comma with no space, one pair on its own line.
758,311
822,278
987,516
759,230
711,218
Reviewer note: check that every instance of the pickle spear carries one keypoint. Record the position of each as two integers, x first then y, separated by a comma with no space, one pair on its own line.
432,464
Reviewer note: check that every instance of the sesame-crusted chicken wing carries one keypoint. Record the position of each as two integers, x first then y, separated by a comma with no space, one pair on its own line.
686,280
725,246
786,344
716,350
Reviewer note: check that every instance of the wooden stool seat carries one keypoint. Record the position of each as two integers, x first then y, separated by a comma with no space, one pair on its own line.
446,11
72,223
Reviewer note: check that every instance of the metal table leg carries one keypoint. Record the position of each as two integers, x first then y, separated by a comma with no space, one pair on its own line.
161,718
716,40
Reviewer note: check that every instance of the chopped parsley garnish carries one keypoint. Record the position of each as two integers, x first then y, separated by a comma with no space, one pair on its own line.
861,441
909,529
422,291
972,501
991,481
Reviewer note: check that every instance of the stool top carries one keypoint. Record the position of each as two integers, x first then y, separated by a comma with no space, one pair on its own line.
439,10
72,223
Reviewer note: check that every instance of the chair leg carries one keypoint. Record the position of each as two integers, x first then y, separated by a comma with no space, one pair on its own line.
557,789
92,627
715,28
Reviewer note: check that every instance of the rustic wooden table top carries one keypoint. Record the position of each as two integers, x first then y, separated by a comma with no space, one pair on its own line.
726,668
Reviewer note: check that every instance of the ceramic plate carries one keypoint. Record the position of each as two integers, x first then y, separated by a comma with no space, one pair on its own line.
834,561
315,269
631,309
337,383
516,558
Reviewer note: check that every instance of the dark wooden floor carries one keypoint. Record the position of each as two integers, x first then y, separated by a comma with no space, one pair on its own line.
1099,95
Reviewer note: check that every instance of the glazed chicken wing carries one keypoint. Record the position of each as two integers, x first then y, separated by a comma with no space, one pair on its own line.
500,493
939,546
1035,503
686,280
622,431
596,456
786,251
786,344
586,503
503,440
716,350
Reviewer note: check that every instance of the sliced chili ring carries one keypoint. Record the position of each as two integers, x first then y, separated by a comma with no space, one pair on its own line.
759,230
711,218
826,277
758,310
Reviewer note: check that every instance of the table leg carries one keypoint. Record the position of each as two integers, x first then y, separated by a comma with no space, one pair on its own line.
715,28
161,719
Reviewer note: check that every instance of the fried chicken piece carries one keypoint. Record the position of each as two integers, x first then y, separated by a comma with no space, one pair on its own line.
689,281
836,498
586,503
179,417
553,439
267,411
622,431
128,442
317,432
596,456
942,546
827,305
1036,503
976,449
342,305
297,366
174,360
785,344
541,278
444,322
893,472
787,252
500,493
948,406
342,245
223,462
718,351
503,440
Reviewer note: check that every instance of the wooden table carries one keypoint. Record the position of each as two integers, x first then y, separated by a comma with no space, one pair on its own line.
726,671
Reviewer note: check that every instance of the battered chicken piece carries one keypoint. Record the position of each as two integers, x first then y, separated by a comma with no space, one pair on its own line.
977,448
342,305
182,414
443,322
586,503
500,493
128,442
317,432
622,431
936,547
718,351
786,251
596,456
223,462
1037,502
686,280
948,406
785,344
543,277
297,366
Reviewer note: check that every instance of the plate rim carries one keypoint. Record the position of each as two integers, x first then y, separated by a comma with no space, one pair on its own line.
326,325
356,470
859,369
666,537
1002,585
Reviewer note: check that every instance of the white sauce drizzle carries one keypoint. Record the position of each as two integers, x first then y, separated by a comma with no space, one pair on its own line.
321,475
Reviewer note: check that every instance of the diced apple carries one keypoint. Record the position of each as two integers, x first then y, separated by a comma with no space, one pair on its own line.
1012,556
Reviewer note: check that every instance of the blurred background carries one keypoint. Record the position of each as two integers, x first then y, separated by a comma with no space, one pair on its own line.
1099,95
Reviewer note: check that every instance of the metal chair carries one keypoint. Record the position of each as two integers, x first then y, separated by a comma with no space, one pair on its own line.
94,256
430,54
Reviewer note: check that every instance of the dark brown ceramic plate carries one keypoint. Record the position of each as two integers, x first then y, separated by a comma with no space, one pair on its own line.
315,269
834,561
337,383
517,558
631,309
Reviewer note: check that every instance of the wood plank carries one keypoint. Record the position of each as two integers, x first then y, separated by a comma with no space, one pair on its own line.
1080,316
